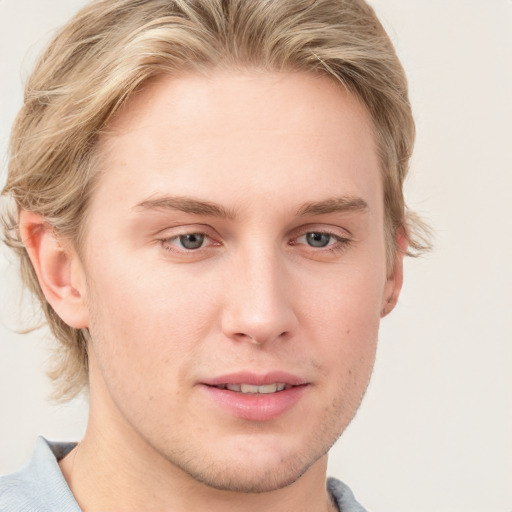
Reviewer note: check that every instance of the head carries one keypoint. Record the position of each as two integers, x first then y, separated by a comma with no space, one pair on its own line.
123,76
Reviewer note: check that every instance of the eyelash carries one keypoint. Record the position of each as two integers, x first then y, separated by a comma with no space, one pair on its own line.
341,243
167,242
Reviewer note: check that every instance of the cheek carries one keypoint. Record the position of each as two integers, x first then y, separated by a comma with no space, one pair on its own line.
349,353
145,328
344,319
348,302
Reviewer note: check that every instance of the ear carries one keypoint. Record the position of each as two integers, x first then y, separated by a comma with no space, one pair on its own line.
58,269
396,277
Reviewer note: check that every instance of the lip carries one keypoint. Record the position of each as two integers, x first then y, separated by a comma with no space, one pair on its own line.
255,407
255,379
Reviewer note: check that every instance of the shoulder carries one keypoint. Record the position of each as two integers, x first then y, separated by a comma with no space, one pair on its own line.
343,496
40,485
16,492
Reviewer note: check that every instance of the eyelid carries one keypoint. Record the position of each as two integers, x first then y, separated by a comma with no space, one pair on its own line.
339,243
176,238
342,241
166,236
181,228
328,229
336,237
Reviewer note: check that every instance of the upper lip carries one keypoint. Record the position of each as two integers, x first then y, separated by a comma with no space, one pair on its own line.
256,379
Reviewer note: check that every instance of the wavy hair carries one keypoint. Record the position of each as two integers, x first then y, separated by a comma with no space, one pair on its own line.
110,48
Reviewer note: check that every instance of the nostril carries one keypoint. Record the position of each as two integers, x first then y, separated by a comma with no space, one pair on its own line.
254,340
251,339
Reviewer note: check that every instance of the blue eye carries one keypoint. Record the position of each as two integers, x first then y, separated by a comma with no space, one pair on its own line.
191,241
317,239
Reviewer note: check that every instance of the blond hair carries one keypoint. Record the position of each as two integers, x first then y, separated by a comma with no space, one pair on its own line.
112,47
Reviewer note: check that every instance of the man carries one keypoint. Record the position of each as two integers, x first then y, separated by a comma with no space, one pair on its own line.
209,208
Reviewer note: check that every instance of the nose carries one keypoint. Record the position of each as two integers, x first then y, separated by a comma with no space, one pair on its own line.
257,299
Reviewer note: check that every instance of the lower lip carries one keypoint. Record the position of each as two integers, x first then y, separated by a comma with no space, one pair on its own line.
256,406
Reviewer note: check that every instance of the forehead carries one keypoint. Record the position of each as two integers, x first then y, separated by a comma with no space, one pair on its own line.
240,134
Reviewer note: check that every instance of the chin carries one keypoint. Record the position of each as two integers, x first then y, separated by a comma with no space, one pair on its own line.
248,479
252,464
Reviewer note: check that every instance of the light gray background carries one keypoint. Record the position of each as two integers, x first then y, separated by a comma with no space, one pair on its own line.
435,430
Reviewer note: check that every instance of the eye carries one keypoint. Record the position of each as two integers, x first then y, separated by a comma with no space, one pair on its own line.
191,241
186,242
317,239
321,243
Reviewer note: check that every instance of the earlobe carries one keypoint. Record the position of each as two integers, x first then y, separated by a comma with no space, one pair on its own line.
396,276
58,269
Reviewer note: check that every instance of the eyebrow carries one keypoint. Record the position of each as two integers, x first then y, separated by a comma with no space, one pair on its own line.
333,205
207,208
186,205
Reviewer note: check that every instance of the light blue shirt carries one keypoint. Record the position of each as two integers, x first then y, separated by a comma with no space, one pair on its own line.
41,487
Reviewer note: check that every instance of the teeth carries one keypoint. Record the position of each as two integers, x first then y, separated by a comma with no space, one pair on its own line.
269,388
250,388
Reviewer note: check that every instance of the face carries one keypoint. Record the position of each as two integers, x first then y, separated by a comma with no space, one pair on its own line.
235,273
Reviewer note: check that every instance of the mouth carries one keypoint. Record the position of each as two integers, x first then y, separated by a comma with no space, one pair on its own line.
252,389
256,397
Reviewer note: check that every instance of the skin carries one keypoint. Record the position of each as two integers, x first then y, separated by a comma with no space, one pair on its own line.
279,156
